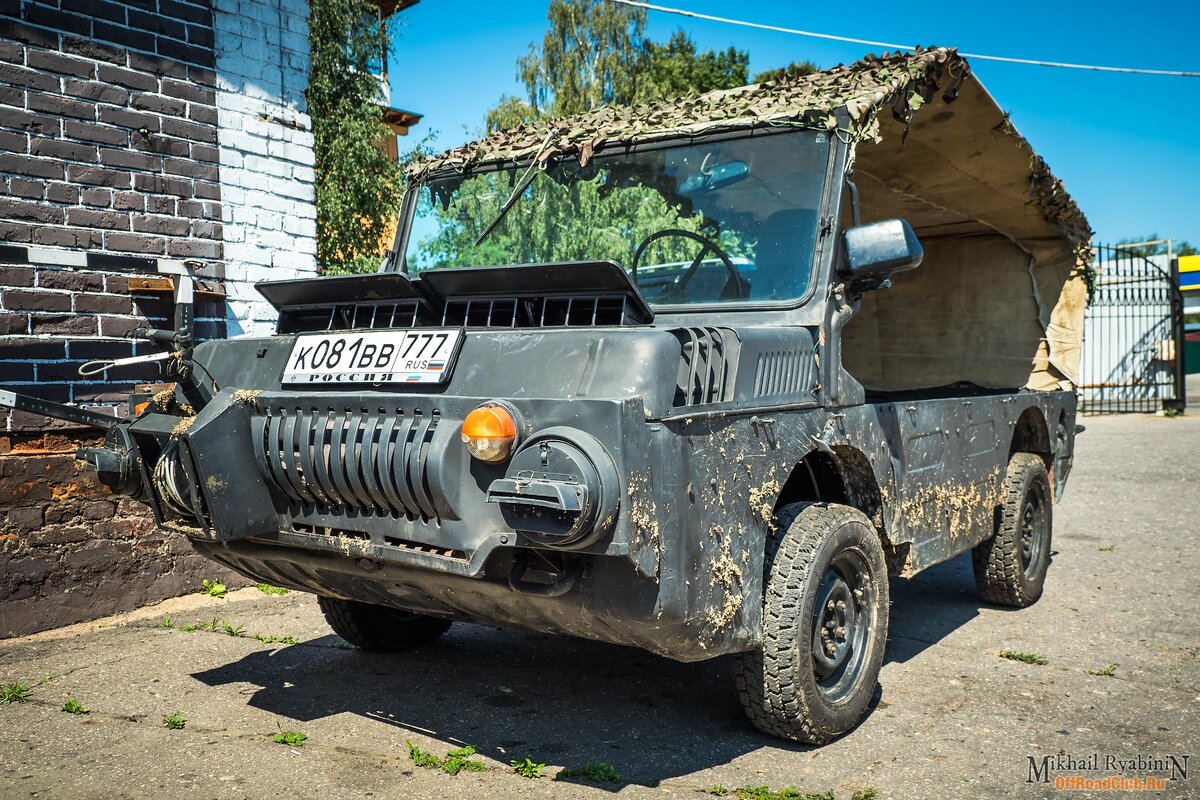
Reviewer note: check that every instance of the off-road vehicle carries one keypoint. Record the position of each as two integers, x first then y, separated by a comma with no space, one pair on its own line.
695,377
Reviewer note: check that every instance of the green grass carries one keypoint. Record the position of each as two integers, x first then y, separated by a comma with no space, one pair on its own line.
267,588
73,706
14,693
213,588
527,768
456,761
1172,413
290,738
174,721
268,639
166,622
865,793
229,628
1106,672
718,790
1027,658
790,793
596,772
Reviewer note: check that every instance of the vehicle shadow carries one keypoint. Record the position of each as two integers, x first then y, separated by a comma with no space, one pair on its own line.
557,699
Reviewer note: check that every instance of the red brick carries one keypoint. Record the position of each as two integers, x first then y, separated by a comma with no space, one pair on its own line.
33,300
70,279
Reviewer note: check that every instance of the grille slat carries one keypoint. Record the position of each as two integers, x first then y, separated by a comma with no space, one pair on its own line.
574,311
705,369
373,461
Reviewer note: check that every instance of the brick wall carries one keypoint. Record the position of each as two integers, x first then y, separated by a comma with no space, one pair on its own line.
265,138
111,142
71,551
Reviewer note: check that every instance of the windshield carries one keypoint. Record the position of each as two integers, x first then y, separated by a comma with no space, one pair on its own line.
717,222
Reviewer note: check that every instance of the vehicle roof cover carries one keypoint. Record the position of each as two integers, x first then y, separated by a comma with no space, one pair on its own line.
934,148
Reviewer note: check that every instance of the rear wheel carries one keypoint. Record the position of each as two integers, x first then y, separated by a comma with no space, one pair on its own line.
825,618
379,629
1010,567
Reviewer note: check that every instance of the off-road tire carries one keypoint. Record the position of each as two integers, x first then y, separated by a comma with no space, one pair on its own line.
1000,574
778,685
379,629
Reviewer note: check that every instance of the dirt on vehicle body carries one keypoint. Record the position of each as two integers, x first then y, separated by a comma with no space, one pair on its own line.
668,377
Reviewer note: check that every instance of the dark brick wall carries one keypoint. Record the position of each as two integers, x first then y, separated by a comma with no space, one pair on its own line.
108,143
70,551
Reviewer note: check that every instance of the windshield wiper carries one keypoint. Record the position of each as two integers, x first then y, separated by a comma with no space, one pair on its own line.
535,167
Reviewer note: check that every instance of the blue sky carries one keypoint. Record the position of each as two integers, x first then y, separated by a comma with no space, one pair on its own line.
1127,146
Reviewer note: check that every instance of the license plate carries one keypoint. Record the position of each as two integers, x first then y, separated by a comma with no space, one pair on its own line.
424,356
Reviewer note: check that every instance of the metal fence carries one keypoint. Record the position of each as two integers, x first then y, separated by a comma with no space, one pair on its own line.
1133,335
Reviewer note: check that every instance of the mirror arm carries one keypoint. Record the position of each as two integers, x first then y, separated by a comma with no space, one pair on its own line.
855,211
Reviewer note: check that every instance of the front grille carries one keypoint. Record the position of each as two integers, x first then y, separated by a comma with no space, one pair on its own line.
537,312
349,316
706,373
330,459
385,541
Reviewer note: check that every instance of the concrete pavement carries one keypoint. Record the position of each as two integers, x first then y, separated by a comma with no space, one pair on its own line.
952,718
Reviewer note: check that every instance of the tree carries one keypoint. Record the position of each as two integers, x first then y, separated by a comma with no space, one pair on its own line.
792,70
674,69
358,186
1179,247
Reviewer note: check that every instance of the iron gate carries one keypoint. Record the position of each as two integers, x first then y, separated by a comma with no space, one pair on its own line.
1132,336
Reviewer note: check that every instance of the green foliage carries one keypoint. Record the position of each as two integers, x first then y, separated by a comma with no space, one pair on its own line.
267,639
718,790
73,706
595,53
527,768
1179,247
267,588
675,69
232,630
1107,548
174,721
290,738
792,70
166,622
213,588
594,771
358,185
1027,658
14,693
865,793
790,793
1106,672
456,761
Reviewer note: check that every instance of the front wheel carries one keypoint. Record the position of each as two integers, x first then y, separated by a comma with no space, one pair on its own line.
379,629
825,619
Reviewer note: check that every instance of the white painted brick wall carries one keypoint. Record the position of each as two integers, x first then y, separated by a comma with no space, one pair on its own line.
265,137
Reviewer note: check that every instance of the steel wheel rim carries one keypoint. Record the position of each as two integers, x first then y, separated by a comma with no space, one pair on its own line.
1033,528
843,625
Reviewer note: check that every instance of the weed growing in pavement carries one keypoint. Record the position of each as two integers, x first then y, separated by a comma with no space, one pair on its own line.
267,588
166,622
14,693
865,793
595,771
213,588
527,768
790,793
175,721
266,639
290,738
228,627
73,706
1172,413
718,790
456,761
1107,672
1107,548
1027,658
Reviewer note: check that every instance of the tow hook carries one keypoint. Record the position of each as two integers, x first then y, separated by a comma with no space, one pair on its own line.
560,586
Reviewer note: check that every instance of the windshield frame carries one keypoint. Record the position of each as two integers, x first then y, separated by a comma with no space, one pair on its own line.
409,206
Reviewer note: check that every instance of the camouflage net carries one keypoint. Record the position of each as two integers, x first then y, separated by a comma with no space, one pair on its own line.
903,81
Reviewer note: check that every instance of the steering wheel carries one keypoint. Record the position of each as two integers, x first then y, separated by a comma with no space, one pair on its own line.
742,287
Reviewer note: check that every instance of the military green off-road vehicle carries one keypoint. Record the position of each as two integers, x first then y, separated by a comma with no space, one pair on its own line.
695,377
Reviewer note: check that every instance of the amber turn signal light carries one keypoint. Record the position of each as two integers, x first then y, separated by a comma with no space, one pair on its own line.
490,432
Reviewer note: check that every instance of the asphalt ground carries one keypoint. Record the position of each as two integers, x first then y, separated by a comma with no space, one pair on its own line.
951,719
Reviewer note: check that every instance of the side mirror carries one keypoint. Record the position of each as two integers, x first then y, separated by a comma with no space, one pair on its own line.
877,250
